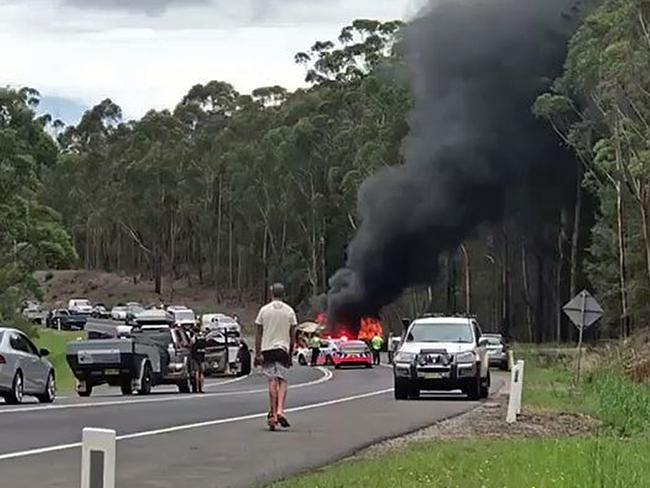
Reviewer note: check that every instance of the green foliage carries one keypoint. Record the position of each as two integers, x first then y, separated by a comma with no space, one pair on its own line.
31,234
56,342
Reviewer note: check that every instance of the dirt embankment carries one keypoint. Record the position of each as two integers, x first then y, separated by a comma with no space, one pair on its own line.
110,288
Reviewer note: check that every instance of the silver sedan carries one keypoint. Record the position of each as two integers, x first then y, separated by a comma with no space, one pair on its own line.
24,370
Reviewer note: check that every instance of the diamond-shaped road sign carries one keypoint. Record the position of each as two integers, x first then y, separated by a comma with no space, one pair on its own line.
583,310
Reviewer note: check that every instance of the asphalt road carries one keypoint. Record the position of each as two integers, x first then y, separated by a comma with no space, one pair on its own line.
218,439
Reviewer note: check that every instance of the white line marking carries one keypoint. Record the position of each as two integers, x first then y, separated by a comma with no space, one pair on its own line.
327,375
197,425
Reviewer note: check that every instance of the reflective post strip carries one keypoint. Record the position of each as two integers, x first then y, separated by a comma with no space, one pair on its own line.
98,458
516,389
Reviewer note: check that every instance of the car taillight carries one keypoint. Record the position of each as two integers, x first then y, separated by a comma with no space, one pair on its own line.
2,359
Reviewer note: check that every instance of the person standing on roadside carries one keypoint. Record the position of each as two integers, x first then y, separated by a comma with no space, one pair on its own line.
198,358
376,343
274,342
314,345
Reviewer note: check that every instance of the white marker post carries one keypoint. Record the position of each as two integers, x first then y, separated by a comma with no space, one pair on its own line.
516,389
98,458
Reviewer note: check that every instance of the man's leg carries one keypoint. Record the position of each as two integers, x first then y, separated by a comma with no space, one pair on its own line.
283,386
273,398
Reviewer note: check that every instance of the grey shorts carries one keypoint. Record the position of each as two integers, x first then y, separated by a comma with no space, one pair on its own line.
275,370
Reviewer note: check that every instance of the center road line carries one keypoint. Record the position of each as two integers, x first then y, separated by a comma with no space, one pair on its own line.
197,425
327,375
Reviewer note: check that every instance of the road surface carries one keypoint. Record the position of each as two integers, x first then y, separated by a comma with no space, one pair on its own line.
218,439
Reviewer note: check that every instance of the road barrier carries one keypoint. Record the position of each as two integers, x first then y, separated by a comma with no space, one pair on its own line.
516,390
97,458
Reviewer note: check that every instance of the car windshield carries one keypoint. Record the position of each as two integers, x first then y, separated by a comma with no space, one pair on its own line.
353,346
493,341
81,303
119,309
441,332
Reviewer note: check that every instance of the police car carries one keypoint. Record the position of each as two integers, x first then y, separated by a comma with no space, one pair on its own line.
442,353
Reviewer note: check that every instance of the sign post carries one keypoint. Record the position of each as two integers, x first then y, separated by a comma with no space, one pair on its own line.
583,310
98,458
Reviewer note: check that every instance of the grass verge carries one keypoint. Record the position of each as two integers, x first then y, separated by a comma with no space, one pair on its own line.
55,342
523,463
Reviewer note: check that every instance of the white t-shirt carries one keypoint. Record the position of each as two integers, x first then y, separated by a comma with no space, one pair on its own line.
276,319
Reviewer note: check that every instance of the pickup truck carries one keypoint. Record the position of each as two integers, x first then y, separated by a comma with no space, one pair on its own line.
154,353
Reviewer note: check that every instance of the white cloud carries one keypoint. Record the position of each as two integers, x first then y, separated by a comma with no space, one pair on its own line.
145,61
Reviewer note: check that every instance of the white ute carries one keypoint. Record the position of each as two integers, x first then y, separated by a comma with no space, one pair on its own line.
442,353
80,305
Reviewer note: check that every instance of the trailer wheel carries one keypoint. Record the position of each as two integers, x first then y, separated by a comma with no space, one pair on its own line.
184,386
127,387
86,391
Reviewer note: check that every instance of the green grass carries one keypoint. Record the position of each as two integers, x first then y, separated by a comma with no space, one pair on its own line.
55,342
575,463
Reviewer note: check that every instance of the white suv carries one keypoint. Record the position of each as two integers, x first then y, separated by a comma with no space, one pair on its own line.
442,353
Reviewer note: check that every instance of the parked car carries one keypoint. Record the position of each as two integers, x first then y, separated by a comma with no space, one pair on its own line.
442,353
352,353
24,369
100,311
66,320
235,359
183,317
33,312
497,350
119,313
80,305
328,349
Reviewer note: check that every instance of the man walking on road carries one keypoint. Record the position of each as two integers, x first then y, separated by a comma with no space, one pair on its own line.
376,343
274,341
314,345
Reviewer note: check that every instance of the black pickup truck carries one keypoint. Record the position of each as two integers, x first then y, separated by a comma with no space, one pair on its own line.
153,353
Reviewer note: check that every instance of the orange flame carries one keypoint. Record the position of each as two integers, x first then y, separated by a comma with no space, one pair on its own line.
370,327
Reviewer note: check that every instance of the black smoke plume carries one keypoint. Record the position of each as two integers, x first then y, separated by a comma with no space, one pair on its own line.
475,151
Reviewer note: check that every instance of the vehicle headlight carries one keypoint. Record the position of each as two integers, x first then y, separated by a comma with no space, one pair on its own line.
466,357
404,357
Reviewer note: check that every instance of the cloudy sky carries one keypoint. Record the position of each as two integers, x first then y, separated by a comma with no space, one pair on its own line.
147,53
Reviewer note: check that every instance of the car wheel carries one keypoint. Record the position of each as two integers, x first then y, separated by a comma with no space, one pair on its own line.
245,362
49,394
414,392
401,389
15,396
145,385
473,392
505,366
485,386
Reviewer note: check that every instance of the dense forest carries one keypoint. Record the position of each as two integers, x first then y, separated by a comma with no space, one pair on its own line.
233,191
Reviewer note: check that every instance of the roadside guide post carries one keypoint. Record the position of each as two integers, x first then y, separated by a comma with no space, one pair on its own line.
516,390
98,458
584,311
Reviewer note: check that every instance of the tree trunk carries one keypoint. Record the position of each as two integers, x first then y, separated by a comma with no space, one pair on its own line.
575,236
505,284
645,215
218,250
620,213
231,231
526,291
468,280
157,269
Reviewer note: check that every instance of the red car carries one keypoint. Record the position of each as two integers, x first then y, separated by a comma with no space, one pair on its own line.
352,353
